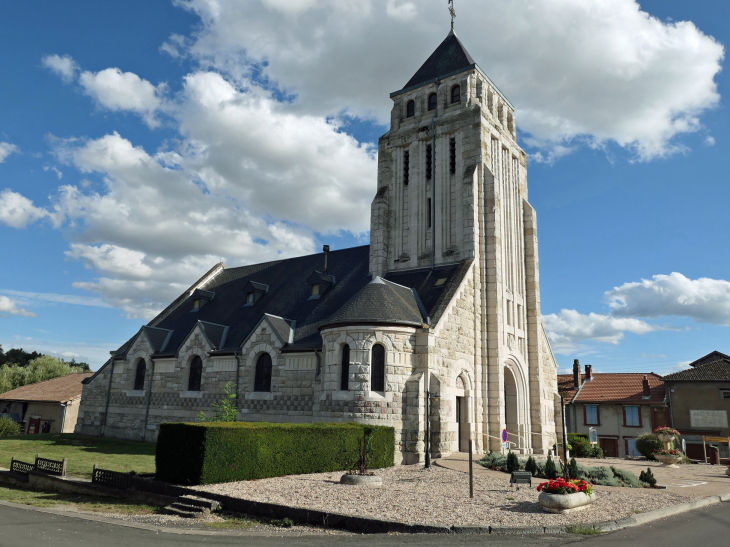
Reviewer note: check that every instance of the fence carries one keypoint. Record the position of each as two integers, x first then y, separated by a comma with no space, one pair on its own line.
42,465
114,479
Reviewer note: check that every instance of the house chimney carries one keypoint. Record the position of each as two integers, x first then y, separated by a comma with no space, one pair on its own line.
576,374
647,391
326,250
589,373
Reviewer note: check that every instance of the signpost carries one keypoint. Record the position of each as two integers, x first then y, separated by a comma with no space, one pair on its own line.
706,440
593,435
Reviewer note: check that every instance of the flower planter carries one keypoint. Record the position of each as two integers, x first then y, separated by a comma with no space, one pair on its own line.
727,471
362,480
668,459
565,503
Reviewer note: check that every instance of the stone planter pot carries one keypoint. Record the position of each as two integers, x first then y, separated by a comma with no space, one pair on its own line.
665,438
727,471
362,480
668,460
565,503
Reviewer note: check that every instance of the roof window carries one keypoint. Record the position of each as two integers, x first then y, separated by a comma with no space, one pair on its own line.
254,291
440,282
201,298
319,284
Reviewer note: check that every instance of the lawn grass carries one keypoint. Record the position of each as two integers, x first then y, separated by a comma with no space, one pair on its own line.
67,501
82,452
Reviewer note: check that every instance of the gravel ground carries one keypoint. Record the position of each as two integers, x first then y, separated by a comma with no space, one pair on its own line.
416,495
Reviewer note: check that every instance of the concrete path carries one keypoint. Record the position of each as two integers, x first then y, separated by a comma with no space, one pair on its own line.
693,480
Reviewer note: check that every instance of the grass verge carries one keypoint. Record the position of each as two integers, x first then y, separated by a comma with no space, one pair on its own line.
82,452
71,501
582,530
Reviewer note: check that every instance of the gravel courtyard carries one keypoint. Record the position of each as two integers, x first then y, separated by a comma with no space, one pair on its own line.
416,495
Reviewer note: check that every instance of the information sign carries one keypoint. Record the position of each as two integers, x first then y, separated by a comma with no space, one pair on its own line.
593,435
715,439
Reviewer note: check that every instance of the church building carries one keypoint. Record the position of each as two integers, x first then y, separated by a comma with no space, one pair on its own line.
443,304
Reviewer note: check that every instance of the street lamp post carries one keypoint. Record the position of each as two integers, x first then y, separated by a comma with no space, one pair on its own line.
428,429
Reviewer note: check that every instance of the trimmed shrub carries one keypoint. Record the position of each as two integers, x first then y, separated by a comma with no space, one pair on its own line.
647,443
596,452
551,472
513,464
207,453
8,428
573,437
648,477
573,469
531,466
494,460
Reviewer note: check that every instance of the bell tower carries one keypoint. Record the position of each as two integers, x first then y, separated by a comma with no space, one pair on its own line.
452,187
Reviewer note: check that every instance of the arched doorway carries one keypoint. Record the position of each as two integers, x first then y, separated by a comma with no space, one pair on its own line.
511,408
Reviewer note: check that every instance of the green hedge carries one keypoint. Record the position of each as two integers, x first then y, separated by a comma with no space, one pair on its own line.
207,453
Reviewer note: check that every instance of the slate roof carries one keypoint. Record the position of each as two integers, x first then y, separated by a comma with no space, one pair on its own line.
612,387
709,358
383,302
287,302
451,56
58,390
158,337
707,372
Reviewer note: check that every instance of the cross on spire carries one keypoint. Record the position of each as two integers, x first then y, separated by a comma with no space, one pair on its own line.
452,12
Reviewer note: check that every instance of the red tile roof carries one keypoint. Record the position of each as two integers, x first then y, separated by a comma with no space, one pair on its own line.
58,390
612,387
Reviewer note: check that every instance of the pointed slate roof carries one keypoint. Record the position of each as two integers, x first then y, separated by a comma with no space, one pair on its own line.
709,358
158,337
380,301
716,371
451,56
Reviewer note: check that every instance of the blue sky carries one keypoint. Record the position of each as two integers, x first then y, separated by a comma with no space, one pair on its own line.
141,142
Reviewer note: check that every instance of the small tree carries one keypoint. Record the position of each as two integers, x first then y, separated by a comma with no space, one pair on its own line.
551,472
8,428
226,410
364,454
513,464
573,469
648,477
531,466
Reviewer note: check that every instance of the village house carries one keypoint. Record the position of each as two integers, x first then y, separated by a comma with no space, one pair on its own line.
51,406
619,406
444,302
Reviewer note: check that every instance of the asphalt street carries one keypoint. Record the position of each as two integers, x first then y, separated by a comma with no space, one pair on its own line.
21,527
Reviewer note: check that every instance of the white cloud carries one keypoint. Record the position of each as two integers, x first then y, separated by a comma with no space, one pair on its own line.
18,211
578,72
59,174
710,140
704,300
63,65
6,149
569,327
8,307
124,91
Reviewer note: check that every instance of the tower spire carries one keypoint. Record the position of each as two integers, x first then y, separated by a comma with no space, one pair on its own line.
453,14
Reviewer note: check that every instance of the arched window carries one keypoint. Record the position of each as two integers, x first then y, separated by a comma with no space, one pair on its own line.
377,369
410,109
455,94
196,374
139,376
345,372
432,101
262,381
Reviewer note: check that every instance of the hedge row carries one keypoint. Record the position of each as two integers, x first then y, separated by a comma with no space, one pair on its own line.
207,453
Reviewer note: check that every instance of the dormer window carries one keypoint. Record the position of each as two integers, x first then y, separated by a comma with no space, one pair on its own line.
410,109
201,298
455,94
254,291
432,101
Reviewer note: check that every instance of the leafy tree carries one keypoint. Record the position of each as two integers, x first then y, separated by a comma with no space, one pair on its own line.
226,410
45,367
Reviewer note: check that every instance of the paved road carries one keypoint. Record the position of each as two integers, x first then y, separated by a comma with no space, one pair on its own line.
20,527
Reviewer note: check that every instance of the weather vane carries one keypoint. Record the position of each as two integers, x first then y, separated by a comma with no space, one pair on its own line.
452,12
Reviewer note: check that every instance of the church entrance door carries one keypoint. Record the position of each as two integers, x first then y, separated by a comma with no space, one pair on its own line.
463,426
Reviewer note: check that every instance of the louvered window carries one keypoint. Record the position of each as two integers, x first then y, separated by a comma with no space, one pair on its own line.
377,369
262,381
429,161
452,155
406,166
196,374
432,101
455,94
345,371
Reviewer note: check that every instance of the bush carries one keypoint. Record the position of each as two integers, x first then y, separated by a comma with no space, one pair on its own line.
206,453
581,448
626,477
596,452
648,477
573,437
513,464
551,472
494,460
8,428
647,443
531,466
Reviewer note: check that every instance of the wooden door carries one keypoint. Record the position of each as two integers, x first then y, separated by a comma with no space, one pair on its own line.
33,426
609,447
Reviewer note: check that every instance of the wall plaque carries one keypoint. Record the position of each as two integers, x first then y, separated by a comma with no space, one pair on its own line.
708,418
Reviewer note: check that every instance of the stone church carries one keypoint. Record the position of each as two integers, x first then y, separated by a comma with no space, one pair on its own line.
444,303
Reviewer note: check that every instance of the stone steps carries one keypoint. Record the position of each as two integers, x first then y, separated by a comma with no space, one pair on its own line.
191,507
